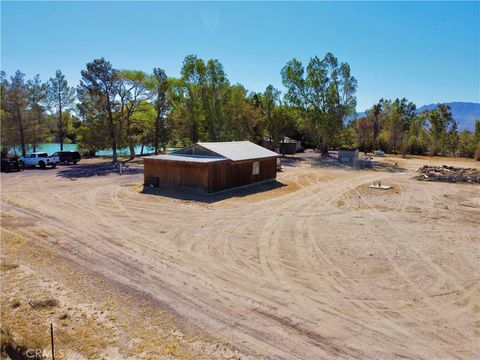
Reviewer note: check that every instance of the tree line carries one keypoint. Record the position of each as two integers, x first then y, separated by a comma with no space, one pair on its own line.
395,126
113,108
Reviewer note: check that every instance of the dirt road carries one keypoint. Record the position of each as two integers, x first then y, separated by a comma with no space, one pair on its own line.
320,268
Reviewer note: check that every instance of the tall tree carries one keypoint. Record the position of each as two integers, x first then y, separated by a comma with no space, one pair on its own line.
37,97
133,91
363,133
14,103
269,101
466,144
162,106
242,118
187,95
439,120
397,116
97,91
374,116
453,138
325,90
476,133
214,95
61,98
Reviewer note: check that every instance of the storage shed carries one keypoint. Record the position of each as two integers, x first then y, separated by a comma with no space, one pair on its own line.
286,145
212,166
349,156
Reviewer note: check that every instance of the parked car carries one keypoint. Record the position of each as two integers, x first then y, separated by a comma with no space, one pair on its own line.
68,156
11,165
39,158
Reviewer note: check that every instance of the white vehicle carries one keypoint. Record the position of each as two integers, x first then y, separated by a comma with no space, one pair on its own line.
39,158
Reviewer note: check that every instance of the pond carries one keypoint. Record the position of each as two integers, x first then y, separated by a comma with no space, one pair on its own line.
50,148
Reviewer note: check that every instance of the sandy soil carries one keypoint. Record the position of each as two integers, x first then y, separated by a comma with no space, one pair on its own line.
316,266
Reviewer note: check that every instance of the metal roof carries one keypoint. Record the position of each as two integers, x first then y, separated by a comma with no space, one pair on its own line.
188,158
238,150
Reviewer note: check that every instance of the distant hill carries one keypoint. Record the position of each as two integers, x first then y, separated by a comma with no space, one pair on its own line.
464,113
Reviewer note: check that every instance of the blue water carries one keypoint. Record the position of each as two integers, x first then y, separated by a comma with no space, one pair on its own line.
50,148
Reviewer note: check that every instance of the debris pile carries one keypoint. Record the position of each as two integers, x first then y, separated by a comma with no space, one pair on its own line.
450,174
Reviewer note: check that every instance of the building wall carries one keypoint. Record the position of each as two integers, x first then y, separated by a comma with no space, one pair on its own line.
209,177
177,173
347,155
228,174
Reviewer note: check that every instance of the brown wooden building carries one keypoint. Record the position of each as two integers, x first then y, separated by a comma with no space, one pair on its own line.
210,167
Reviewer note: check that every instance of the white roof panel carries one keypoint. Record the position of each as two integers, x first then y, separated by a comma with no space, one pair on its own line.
187,158
238,150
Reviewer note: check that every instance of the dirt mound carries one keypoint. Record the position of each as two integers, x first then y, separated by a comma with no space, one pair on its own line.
450,174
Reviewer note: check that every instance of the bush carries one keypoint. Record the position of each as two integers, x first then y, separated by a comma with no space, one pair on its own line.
477,153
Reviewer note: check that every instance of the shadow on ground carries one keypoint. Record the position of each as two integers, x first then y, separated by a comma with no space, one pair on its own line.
189,195
98,169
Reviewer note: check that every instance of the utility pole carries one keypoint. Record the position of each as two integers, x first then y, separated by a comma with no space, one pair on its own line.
51,340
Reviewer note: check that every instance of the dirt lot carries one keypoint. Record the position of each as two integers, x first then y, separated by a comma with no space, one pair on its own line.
317,266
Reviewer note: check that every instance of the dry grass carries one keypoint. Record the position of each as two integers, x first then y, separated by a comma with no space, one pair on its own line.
44,303
7,266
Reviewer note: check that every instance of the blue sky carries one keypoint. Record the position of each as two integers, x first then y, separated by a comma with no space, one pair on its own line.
425,51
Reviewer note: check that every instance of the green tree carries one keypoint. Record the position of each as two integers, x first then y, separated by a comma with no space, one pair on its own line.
133,91
61,98
37,96
14,104
476,133
243,120
397,117
214,95
438,121
325,91
97,94
374,117
364,133
161,86
186,96
453,137
417,138
466,144
269,102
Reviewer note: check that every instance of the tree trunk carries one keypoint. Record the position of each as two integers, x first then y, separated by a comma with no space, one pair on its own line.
60,122
141,150
112,132
157,133
22,133
194,133
132,151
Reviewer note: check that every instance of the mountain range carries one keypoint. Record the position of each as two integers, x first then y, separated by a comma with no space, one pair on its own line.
464,113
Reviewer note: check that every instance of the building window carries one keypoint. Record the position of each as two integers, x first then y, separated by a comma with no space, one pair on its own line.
256,168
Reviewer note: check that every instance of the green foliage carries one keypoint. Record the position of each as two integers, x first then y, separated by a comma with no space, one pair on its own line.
97,92
439,123
61,98
466,144
124,108
325,91
363,129
23,120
